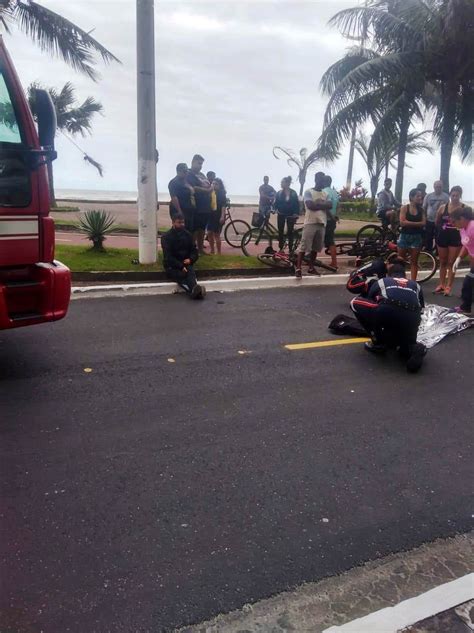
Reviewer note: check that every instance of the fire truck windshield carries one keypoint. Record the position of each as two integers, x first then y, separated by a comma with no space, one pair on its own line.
15,186
9,130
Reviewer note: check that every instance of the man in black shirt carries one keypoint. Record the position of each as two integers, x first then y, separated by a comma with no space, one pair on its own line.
202,194
182,197
266,197
179,256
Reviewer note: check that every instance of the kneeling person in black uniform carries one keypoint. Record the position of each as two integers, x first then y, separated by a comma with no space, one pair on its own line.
389,309
179,256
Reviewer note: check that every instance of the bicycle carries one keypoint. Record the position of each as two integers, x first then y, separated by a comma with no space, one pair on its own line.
369,250
266,233
234,229
378,233
287,259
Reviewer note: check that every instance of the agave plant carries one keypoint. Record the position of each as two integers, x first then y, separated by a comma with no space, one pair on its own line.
96,225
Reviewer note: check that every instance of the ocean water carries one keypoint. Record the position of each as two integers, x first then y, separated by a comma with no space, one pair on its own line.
97,195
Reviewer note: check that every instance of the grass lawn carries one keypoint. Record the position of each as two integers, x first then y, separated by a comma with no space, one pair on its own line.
363,216
83,259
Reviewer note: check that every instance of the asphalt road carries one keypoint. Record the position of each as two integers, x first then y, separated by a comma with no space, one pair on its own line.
149,494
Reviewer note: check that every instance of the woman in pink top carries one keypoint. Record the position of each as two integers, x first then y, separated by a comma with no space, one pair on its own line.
464,220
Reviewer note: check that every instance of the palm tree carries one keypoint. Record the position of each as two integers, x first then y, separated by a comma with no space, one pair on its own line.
366,88
72,118
425,62
54,34
380,157
303,161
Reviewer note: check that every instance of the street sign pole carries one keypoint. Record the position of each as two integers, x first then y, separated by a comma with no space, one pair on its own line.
146,132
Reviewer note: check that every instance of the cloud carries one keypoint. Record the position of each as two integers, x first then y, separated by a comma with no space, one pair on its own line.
233,79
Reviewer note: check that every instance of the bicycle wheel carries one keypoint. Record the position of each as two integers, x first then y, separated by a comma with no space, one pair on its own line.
276,262
234,231
427,265
370,233
320,264
344,248
256,238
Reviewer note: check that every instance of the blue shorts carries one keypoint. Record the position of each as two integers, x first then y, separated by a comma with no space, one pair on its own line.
410,240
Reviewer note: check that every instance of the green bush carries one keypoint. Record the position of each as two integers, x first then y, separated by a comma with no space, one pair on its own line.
96,225
356,209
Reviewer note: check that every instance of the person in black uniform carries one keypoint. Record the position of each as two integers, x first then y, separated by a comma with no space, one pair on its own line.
389,309
179,256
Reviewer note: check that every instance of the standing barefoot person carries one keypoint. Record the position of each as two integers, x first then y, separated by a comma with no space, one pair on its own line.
217,217
448,241
412,221
464,220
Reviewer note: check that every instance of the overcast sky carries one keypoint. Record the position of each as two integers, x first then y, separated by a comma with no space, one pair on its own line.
233,80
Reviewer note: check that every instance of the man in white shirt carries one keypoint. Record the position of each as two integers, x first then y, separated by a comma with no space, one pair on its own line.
316,207
431,204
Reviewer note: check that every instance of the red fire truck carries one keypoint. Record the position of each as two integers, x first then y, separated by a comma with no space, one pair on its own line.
34,287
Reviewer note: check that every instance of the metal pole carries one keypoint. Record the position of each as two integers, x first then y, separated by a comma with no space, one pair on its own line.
146,132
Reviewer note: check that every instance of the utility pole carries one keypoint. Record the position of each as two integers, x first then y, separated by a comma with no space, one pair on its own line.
146,132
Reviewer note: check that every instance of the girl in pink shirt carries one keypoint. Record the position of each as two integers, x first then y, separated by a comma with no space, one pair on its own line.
463,220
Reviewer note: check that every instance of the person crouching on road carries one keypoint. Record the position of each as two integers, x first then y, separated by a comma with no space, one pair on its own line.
179,256
389,309
463,219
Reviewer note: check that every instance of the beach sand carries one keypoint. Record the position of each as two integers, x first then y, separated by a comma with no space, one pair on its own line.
126,213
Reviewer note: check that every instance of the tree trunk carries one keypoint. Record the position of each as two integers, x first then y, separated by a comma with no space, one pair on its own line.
447,138
386,170
402,151
351,157
374,184
52,197
302,179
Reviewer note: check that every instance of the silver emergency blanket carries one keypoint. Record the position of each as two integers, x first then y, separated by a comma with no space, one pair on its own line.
437,322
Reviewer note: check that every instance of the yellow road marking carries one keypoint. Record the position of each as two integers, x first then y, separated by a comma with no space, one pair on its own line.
341,341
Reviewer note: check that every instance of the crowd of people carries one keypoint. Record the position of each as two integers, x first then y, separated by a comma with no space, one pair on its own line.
433,220
198,206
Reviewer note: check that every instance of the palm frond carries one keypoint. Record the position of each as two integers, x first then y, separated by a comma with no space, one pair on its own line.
59,36
372,20
340,69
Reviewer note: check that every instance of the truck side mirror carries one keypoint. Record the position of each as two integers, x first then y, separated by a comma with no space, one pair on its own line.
46,117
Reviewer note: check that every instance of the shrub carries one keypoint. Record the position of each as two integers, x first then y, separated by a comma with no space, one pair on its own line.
96,225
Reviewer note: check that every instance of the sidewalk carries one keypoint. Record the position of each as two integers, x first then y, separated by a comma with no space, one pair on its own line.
352,602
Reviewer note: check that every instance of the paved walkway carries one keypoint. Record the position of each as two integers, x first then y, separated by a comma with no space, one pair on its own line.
368,599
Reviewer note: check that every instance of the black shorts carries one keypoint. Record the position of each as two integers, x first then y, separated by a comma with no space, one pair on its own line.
329,234
448,237
200,221
214,223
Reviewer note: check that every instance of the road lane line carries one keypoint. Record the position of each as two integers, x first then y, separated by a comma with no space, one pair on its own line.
342,341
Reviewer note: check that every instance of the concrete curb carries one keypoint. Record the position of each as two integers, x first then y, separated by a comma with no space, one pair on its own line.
334,603
215,285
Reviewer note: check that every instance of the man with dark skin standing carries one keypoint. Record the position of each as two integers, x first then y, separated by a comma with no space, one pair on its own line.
202,194
387,205
182,196
267,197
312,240
179,256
